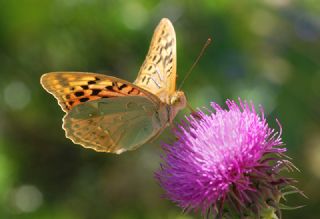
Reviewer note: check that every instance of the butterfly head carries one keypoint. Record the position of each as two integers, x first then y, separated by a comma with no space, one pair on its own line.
178,101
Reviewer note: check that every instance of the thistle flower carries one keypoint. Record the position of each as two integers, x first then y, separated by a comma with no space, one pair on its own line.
227,163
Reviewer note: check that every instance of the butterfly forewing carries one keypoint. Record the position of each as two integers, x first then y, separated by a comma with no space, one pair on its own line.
115,124
73,88
158,71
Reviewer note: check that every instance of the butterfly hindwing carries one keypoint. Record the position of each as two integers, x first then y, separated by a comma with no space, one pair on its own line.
73,88
115,124
158,71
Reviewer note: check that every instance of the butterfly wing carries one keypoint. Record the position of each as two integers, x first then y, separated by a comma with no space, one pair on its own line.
114,124
74,88
158,71
105,113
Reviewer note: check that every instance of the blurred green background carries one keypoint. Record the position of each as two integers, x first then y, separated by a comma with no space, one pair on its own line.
267,51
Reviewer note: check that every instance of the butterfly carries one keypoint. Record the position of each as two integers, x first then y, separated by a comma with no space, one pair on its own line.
109,114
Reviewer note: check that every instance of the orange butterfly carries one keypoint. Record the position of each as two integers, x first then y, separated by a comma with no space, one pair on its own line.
109,114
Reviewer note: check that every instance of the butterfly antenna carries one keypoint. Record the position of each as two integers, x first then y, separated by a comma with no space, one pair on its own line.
197,60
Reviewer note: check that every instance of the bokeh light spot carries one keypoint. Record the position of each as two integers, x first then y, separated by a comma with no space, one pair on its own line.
276,70
134,15
17,95
278,3
27,198
307,29
262,22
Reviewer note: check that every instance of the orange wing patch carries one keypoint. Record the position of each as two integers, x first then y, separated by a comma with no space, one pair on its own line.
71,89
84,93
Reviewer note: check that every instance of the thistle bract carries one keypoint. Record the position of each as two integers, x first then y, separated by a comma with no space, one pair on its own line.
226,162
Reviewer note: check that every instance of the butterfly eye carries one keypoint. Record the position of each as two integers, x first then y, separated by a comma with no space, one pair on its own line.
179,100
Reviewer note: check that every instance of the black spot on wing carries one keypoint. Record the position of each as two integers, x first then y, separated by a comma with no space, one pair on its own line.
168,44
110,88
84,99
122,86
79,93
159,60
130,91
85,87
95,91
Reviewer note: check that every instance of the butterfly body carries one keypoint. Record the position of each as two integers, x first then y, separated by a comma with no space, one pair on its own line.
113,115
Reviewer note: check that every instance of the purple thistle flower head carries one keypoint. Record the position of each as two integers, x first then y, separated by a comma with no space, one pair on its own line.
227,159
